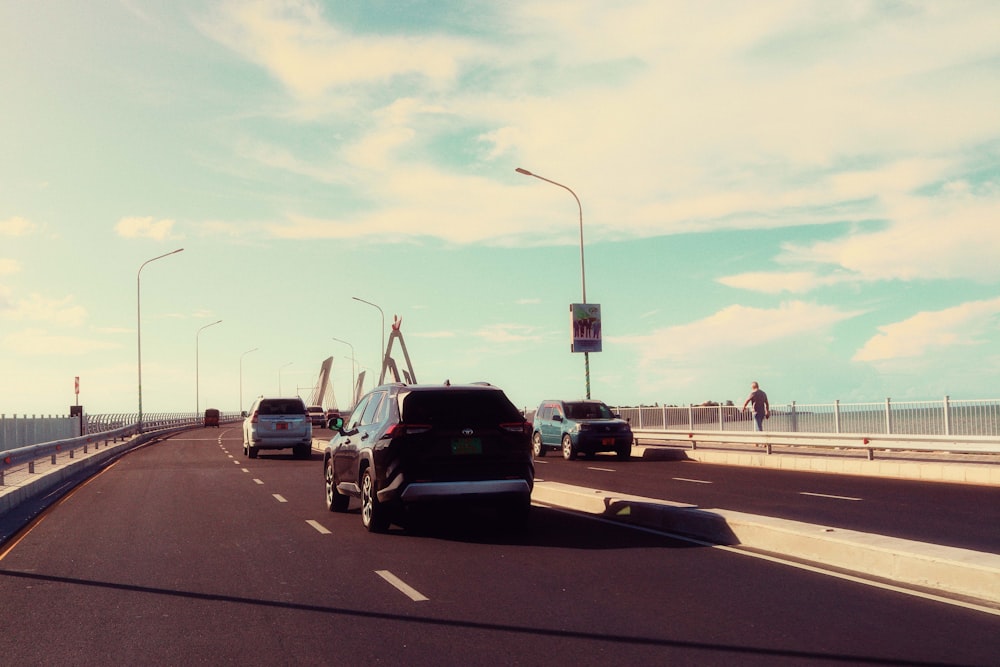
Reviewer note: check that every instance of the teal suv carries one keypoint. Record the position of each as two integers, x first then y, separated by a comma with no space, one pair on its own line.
580,427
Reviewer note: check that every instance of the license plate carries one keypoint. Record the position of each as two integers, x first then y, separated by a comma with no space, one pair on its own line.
281,426
466,446
607,441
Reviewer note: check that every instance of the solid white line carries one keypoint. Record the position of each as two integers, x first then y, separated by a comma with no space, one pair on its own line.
257,481
279,498
402,586
802,566
601,469
693,481
318,526
823,495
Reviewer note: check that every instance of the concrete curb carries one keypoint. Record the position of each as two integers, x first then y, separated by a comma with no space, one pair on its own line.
956,571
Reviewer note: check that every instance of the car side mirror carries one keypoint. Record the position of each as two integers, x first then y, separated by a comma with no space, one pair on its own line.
335,424
243,414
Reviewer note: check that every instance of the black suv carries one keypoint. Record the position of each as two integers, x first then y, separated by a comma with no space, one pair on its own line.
406,445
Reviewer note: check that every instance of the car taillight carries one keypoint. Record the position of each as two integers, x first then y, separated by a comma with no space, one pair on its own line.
253,417
517,427
402,428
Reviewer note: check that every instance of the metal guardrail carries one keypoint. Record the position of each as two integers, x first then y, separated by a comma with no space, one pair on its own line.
115,428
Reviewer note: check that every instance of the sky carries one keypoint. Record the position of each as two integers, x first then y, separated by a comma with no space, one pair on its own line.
805,194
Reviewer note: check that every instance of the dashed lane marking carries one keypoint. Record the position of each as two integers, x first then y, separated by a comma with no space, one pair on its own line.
257,481
825,495
320,528
402,586
601,469
693,481
279,497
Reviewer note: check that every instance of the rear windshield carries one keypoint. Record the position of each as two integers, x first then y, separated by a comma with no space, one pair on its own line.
281,407
588,411
457,408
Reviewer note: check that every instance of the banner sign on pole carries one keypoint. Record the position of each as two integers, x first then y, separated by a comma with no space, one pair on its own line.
585,327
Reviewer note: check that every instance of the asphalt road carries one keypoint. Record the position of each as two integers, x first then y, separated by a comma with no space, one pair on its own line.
185,552
956,515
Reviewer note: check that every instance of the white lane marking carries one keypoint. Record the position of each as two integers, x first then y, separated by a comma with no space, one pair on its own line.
601,469
401,586
246,469
322,530
693,481
279,497
257,481
230,455
802,566
236,462
824,495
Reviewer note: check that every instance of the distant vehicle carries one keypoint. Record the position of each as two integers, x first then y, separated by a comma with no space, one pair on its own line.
211,418
277,423
407,445
580,427
317,414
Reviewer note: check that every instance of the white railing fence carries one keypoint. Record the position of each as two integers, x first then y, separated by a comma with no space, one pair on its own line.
946,417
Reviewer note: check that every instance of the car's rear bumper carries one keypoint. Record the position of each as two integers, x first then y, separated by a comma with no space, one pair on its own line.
598,442
281,443
431,491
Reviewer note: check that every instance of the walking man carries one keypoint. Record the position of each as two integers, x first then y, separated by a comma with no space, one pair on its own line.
761,408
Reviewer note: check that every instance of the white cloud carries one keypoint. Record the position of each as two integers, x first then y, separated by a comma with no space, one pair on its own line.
928,331
775,282
36,308
16,226
954,235
9,266
734,329
309,55
37,342
508,333
767,131
145,227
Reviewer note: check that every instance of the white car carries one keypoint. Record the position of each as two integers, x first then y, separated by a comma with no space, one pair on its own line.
278,423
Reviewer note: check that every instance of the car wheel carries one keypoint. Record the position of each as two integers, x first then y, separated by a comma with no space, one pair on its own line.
536,444
624,453
335,500
252,451
373,514
569,451
302,451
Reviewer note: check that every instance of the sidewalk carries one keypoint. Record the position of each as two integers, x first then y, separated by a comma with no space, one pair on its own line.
982,469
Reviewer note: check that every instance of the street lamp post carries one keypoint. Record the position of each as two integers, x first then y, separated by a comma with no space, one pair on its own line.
583,272
241,376
381,360
354,367
138,325
197,398
279,375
